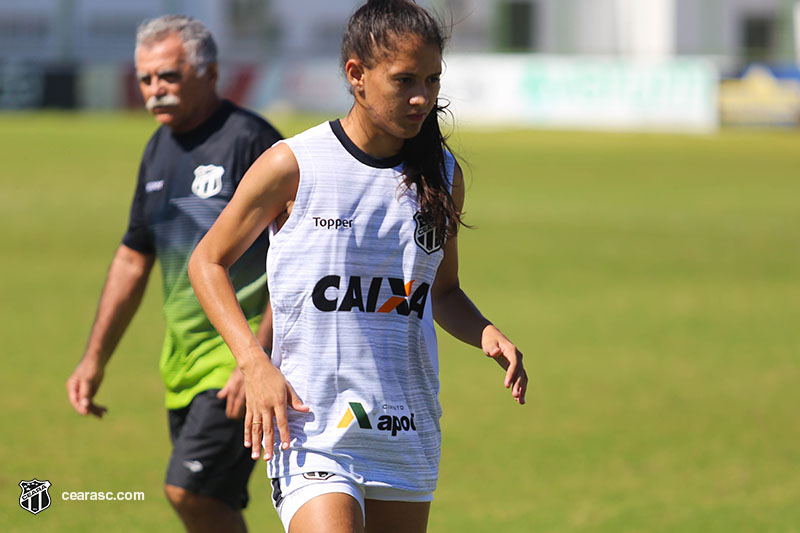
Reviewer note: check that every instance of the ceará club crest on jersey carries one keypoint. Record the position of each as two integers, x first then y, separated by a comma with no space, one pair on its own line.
207,181
425,235
34,497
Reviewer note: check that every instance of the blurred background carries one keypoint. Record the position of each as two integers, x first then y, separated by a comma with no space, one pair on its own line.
601,64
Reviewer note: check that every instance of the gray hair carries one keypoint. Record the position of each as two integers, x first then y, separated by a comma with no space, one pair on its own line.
201,50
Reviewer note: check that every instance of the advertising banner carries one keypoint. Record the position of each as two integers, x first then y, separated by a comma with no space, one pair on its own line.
583,93
761,97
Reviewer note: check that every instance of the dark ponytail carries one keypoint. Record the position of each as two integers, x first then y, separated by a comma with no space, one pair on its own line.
369,34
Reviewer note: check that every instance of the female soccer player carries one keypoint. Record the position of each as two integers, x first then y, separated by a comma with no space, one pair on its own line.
363,215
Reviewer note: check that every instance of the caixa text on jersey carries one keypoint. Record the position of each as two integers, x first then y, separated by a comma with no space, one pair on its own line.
329,295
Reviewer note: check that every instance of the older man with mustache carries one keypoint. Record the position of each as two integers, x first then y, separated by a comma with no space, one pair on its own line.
189,171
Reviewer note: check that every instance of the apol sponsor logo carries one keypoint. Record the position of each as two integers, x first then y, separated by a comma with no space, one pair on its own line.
396,423
355,412
389,423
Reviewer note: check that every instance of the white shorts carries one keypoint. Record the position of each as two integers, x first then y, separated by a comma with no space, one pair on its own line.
289,493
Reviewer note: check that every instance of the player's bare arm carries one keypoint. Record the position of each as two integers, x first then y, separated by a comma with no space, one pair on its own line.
233,392
267,190
456,314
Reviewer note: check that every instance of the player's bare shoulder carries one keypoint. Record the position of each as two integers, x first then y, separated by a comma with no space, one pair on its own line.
277,164
273,177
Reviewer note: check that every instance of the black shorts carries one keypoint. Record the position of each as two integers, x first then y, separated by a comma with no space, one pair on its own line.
208,455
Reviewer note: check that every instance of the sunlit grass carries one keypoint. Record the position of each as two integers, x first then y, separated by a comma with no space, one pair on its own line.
652,281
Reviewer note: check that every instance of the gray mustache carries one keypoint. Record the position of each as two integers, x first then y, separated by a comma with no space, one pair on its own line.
161,101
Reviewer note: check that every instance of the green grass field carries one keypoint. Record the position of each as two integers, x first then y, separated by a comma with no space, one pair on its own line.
652,281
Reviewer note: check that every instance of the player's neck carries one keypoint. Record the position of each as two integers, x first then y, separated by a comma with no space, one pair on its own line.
368,137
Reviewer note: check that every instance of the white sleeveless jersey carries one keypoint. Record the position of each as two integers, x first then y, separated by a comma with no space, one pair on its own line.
350,274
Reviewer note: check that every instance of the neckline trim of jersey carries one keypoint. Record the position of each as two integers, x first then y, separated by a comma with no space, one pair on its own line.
360,155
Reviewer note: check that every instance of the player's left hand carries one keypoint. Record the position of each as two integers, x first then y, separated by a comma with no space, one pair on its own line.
234,392
502,350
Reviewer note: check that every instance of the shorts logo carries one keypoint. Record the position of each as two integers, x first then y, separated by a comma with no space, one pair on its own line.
34,497
425,235
194,466
207,181
402,301
393,423
318,476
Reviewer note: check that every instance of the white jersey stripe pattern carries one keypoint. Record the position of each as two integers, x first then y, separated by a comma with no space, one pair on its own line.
350,275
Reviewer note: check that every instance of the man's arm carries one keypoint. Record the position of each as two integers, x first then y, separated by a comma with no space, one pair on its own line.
122,294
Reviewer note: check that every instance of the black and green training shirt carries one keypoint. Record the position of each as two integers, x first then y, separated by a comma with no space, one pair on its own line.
185,180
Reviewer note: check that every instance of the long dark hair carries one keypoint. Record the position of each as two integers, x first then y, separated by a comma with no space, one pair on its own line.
371,32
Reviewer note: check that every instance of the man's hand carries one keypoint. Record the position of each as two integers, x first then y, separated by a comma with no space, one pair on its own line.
234,392
82,385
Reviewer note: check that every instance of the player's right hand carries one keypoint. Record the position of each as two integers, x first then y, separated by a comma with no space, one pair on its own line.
267,394
81,388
